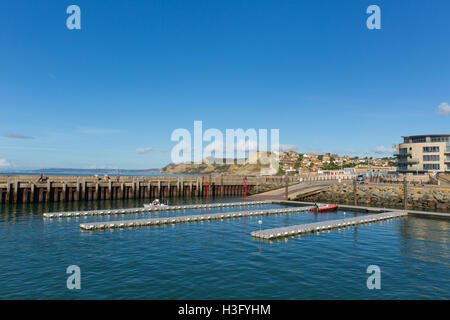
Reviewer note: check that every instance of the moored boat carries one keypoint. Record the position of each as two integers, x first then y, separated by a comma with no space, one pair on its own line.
324,208
155,204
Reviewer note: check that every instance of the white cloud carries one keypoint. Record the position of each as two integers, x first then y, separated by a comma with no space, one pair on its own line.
383,150
16,136
5,163
288,147
283,147
143,150
444,109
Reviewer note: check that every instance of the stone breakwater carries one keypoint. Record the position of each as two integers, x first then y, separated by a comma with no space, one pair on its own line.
420,198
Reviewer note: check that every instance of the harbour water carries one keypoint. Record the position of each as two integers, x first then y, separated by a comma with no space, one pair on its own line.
218,259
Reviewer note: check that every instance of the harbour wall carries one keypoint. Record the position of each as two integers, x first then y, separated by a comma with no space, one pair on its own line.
30,189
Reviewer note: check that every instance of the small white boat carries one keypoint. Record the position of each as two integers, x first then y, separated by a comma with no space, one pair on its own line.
154,204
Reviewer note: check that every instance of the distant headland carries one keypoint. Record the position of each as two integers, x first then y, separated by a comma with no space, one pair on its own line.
74,171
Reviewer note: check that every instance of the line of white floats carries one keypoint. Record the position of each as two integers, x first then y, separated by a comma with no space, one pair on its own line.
185,219
143,210
324,225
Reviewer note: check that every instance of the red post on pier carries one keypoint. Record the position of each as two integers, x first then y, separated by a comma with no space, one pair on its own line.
206,188
245,191
245,188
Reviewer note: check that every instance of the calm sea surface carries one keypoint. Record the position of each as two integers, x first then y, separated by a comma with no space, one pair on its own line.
219,259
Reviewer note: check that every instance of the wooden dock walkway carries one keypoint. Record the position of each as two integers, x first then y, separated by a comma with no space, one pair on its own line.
269,234
69,214
185,219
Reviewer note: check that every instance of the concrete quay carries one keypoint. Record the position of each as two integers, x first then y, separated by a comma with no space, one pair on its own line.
185,219
68,214
274,233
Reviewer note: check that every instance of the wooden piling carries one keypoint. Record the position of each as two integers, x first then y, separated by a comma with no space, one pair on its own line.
159,188
138,189
25,195
41,195
55,194
49,190
32,193
64,192
96,191
110,190
8,192
77,192
70,193
16,191
84,190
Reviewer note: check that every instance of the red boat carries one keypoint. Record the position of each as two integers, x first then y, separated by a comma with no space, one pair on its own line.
325,207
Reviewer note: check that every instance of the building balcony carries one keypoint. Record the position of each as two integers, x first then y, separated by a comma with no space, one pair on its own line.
410,169
402,154
408,161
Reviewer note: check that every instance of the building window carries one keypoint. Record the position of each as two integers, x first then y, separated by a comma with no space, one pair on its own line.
419,139
440,139
430,149
431,157
431,166
403,150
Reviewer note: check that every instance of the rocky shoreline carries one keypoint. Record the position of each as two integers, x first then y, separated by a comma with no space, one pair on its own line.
419,198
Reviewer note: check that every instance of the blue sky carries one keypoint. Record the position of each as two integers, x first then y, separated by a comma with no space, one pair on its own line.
137,70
